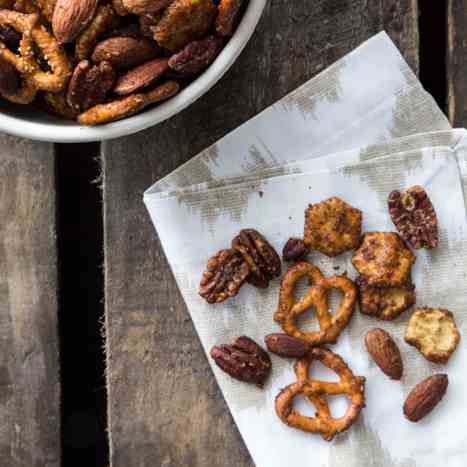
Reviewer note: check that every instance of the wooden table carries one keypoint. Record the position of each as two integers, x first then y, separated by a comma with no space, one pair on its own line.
164,406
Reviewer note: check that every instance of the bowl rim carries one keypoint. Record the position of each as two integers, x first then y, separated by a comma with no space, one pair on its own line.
75,133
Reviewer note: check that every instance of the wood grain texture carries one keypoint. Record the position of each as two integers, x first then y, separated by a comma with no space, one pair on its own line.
164,406
456,62
29,366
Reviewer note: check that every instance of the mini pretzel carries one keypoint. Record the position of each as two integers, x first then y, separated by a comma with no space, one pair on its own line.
323,423
123,107
289,309
26,63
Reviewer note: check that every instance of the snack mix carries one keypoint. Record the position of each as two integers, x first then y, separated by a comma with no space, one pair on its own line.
383,288
98,62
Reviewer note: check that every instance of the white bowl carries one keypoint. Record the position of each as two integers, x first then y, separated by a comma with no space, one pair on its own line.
26,122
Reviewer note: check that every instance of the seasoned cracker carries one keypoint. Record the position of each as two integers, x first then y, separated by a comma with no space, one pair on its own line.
434,333
386,303
383,259
332,227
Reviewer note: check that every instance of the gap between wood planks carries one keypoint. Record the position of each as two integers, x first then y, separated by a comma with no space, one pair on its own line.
80,251
81,305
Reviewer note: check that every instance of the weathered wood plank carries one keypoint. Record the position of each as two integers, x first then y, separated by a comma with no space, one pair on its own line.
29,366
164,405
456,62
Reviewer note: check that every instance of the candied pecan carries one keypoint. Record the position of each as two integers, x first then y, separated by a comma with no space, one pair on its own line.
260,256
414,216
141,7
244,360
183,22
196,56
124,52
9,78
225,274
104,20
141,76
90,84
227,17
294,250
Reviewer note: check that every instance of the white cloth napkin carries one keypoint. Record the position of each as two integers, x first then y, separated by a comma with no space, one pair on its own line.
263,175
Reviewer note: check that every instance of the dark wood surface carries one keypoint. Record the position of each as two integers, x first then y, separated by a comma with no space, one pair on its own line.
29,363
164,406
456,62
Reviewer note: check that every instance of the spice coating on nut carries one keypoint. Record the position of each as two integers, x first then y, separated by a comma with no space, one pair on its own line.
415,217
225,274
261,257
294,250
244,360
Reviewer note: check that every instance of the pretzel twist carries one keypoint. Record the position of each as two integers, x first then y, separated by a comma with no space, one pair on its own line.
316,297
26,63
323,423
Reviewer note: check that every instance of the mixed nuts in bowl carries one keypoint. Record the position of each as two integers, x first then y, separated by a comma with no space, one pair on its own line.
84,70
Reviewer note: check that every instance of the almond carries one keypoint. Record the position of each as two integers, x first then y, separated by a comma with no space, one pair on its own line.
424,397
70,17
384,352
124,52
141,76
285,345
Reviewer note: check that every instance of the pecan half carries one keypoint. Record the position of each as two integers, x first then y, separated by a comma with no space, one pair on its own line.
262,259
124,52
196,56
415,217
141,76
286,346
294,250
244,360
225,274
90,84
183,22
9,78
